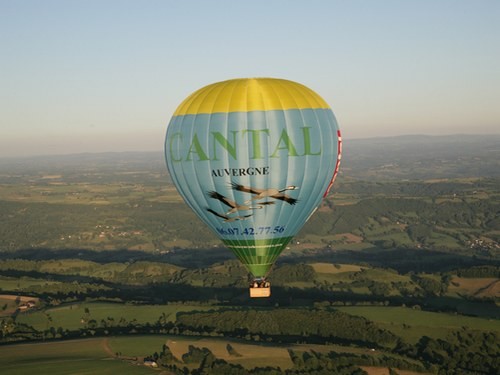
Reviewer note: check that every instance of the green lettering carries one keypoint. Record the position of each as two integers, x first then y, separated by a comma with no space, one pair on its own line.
172,157
231,148
196,148
256,147
307,142
284,143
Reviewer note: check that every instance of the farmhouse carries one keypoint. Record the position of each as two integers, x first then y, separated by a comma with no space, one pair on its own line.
26,306
150,363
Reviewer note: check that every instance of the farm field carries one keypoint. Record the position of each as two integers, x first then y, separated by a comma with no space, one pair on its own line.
9,303
248,354
129,203
125,354
412,324
10,283
76,316
102,352
406,322
479,287
87,356
398,268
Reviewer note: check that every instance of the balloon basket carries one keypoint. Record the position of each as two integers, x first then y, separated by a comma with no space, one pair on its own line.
260,289
260,292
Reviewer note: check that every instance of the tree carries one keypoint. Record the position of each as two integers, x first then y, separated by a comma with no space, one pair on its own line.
379,289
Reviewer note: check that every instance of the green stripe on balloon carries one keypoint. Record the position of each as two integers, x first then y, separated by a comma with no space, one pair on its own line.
258,255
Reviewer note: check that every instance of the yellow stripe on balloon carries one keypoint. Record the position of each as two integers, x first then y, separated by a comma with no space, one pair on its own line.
250,94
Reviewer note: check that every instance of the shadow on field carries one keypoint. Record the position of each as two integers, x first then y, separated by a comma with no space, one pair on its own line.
127,288
402,260
188,258
282,296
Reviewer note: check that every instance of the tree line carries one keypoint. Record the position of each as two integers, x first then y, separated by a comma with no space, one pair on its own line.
303,325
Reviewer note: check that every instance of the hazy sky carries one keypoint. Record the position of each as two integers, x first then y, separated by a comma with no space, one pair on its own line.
104,75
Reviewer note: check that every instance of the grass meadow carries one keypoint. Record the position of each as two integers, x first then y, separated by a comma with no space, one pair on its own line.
411,324
250,354
124,355
74,316
87,356
98,355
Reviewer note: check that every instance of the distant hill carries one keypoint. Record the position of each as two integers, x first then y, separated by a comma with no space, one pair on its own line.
402,157
422,157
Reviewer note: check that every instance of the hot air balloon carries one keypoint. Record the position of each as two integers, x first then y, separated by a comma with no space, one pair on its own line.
253,158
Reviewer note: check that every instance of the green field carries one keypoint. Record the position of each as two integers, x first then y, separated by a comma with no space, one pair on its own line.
106,246
14,284
250,354
74,316
133,207
124,355
87,356
412,324
98,355
54,191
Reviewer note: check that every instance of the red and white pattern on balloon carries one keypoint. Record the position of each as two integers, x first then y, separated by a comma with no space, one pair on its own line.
337,164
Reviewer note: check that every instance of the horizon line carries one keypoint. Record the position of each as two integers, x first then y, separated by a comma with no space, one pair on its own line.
161,150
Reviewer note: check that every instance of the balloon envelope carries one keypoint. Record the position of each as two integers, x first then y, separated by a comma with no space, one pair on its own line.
253,158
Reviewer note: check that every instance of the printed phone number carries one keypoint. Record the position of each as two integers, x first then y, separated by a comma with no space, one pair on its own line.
251,231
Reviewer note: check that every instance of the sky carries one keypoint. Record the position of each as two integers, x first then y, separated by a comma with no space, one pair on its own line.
107,75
